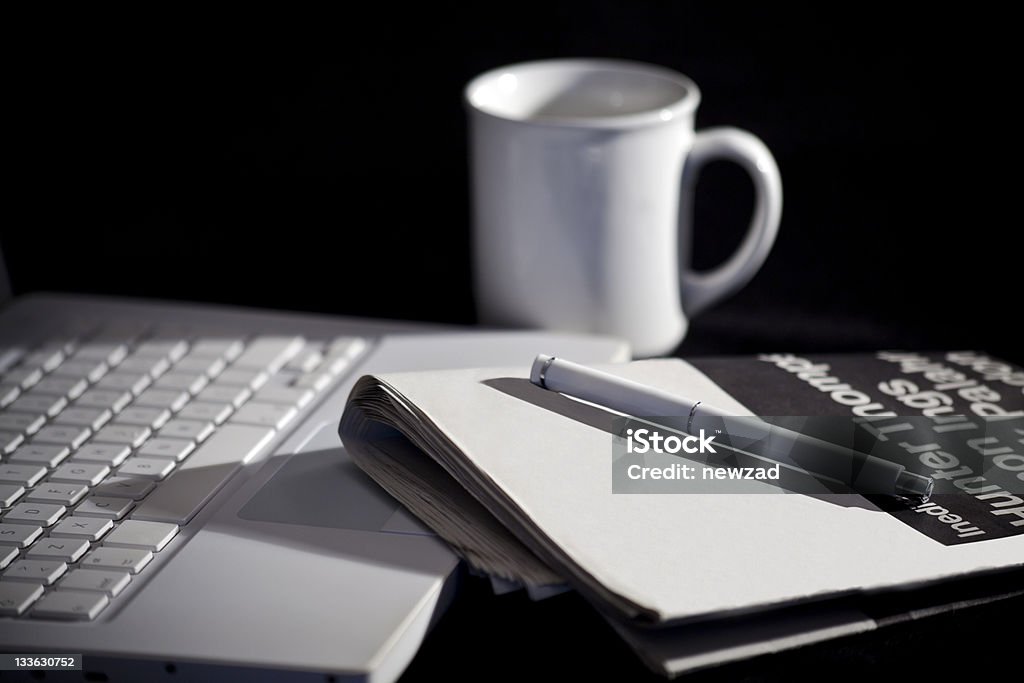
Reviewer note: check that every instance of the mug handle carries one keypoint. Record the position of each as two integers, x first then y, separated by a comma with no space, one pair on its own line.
700,290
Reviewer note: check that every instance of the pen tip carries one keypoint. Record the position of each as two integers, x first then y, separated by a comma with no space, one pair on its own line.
910,485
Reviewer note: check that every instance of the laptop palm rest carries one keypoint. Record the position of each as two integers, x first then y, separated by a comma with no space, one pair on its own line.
321,486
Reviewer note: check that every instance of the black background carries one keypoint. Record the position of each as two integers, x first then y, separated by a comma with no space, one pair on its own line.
296,166
285,166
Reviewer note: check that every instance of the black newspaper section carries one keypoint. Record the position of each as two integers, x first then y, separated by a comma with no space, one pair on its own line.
957,417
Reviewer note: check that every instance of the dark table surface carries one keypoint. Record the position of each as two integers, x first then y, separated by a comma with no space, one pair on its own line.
563,638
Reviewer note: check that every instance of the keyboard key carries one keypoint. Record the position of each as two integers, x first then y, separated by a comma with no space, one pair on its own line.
45,358
346,346
89,474
63,549
23,376
17,596
110,353
164,447
40,571
9,357
109,454
243,377
147,468
22,423
134,382
112,399
61,494
265,414
91,370
152,366
38,404
93,418
317,381
26,475
306,361
285,378
62,435
8,393
105,507
10,493
229,349
68,345
19,535
106,581
341,355
125,487
297,397
210,367
223,393
127,559
71,605
9,554
173,400
216,413
192,382
35,513
337,364
153,418
182,494
9,441
133,533
72,387
89,528
269,353
42,454
172,349
132,435
196,430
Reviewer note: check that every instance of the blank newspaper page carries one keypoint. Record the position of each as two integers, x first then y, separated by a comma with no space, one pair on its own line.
545,460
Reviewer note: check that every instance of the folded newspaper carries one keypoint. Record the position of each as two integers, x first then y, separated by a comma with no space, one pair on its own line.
527,485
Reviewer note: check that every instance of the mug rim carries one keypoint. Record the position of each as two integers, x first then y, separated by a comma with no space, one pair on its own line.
674,110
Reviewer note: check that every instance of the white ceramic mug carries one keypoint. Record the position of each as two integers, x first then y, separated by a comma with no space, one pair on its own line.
583,173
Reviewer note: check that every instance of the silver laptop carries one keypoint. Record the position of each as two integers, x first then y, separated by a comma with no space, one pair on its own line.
174,498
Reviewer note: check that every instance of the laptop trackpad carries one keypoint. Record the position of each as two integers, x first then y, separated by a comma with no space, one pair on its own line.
321,486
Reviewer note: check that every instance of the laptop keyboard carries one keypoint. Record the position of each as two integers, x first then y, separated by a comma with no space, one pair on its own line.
108,448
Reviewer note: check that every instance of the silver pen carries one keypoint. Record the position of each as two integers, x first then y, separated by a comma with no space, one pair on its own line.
862,472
